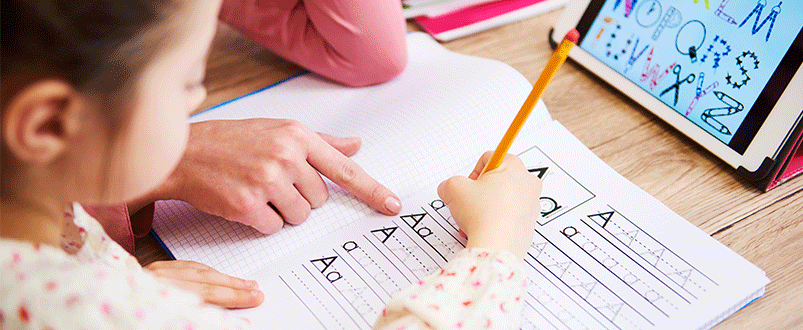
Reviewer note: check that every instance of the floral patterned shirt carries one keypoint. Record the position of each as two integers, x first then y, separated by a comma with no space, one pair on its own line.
91,282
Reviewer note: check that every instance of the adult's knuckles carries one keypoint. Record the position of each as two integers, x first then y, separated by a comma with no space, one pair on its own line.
295,130
269,176
287,153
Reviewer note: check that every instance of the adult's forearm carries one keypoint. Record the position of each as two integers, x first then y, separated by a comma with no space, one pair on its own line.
357,43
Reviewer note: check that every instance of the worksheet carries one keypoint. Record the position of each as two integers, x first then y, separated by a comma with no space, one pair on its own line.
605,255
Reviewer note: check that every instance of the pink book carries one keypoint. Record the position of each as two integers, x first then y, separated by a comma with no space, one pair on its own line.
483,16
789,162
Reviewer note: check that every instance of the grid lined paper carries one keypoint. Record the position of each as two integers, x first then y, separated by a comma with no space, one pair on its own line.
418,129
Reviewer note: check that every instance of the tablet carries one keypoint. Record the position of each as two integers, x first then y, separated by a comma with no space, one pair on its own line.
724,72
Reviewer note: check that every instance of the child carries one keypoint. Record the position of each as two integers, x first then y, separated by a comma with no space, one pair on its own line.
95,99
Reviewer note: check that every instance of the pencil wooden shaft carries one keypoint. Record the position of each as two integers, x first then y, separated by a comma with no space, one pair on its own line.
555,62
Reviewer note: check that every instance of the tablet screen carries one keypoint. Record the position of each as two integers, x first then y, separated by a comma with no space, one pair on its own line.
720,63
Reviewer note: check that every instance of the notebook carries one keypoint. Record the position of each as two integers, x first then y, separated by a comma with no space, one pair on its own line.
605,255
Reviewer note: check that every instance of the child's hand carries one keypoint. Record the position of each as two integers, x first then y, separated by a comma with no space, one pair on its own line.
213,286
498,210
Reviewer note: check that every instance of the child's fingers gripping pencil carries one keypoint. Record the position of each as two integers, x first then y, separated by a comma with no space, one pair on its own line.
557,59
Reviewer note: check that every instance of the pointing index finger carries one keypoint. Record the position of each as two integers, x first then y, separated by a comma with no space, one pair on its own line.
350,176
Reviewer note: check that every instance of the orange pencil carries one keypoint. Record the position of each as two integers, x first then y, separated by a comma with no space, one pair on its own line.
557,59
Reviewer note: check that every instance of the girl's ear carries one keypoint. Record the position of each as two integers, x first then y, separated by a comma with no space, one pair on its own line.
40,121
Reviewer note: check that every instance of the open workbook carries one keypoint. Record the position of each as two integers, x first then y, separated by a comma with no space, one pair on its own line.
605,255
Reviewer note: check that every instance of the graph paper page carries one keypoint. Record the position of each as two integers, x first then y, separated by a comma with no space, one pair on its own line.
605,255
425,125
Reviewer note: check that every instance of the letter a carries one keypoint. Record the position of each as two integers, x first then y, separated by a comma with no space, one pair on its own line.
326,262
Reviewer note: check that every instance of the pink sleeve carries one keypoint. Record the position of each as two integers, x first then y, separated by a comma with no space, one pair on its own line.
357,43
116,222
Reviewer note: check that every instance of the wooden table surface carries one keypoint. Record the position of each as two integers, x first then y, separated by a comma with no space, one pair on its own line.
765,228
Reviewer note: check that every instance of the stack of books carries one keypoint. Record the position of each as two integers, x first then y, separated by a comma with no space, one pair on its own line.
449,19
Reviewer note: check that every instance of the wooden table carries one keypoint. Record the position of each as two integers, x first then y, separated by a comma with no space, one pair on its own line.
765,228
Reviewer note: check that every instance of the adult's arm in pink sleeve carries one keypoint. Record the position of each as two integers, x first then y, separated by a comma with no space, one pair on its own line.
116,221
354,42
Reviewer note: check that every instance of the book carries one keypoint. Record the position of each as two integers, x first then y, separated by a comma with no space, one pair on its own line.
788,162
415,8
605,255
446,22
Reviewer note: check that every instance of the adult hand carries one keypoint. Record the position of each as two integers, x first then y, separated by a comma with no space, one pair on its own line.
497,210
265,172
214,287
